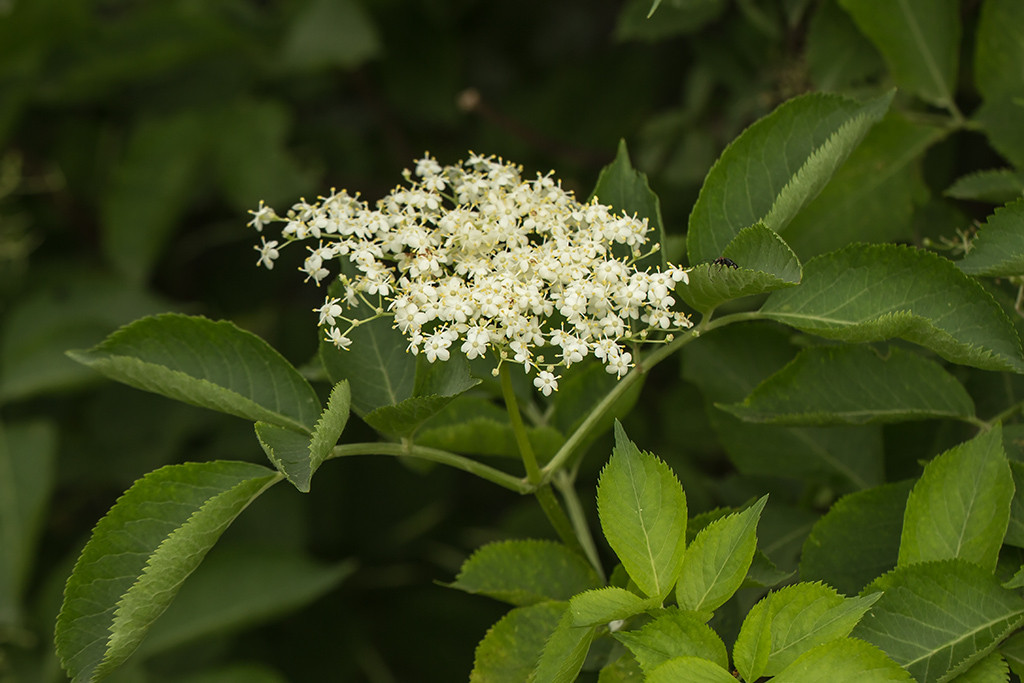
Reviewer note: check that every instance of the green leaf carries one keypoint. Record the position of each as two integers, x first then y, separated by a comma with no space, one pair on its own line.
1000,119
799,618
858,538
1015,527
150,189
991,669
920,40
717,561
846,660
42,324
298,456
689,670
208,364
470,426
729,367
775,167
937,619
1013,649
838,55
603,605
377,366
827,385
526,572
564,652
960,507
999,49
872,198
434,387
27,456
329,33
765,263
674,633
624,669
643,515
238,588
998,250
626,190
676,18
512,646
254,159
874,292
140,553
995,186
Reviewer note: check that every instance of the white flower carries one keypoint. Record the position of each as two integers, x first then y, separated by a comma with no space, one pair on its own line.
329,311
268,252
476,256
436,347
335,336
262,216
546,382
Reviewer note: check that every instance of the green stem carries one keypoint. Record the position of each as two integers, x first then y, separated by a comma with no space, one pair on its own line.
518,428
491,474
566,486
643,366
556,515
1001,417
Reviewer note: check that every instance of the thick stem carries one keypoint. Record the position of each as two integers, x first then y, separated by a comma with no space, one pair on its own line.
491,474
518,428
564,483
556,515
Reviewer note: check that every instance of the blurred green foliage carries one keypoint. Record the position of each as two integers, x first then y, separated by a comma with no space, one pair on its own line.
135,135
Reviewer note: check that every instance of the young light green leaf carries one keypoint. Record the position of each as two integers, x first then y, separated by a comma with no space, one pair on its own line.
799,618
377,366
208,364
716,562
797,148
858,539
920,40
512,646
27,456
829,385
603,605
689,670
998,251
999,49
995,186
846,660
140,553
960,507
526,572
626,190
238,588
936,619
643,515
874,292
872,197
764,263
753,644
564,652
674,633
298,456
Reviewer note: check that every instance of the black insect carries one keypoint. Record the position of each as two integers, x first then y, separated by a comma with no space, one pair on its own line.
722,261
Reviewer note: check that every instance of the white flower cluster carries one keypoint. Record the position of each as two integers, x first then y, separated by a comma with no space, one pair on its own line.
476,256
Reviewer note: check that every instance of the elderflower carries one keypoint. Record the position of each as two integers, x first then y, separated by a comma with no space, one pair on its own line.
476,257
